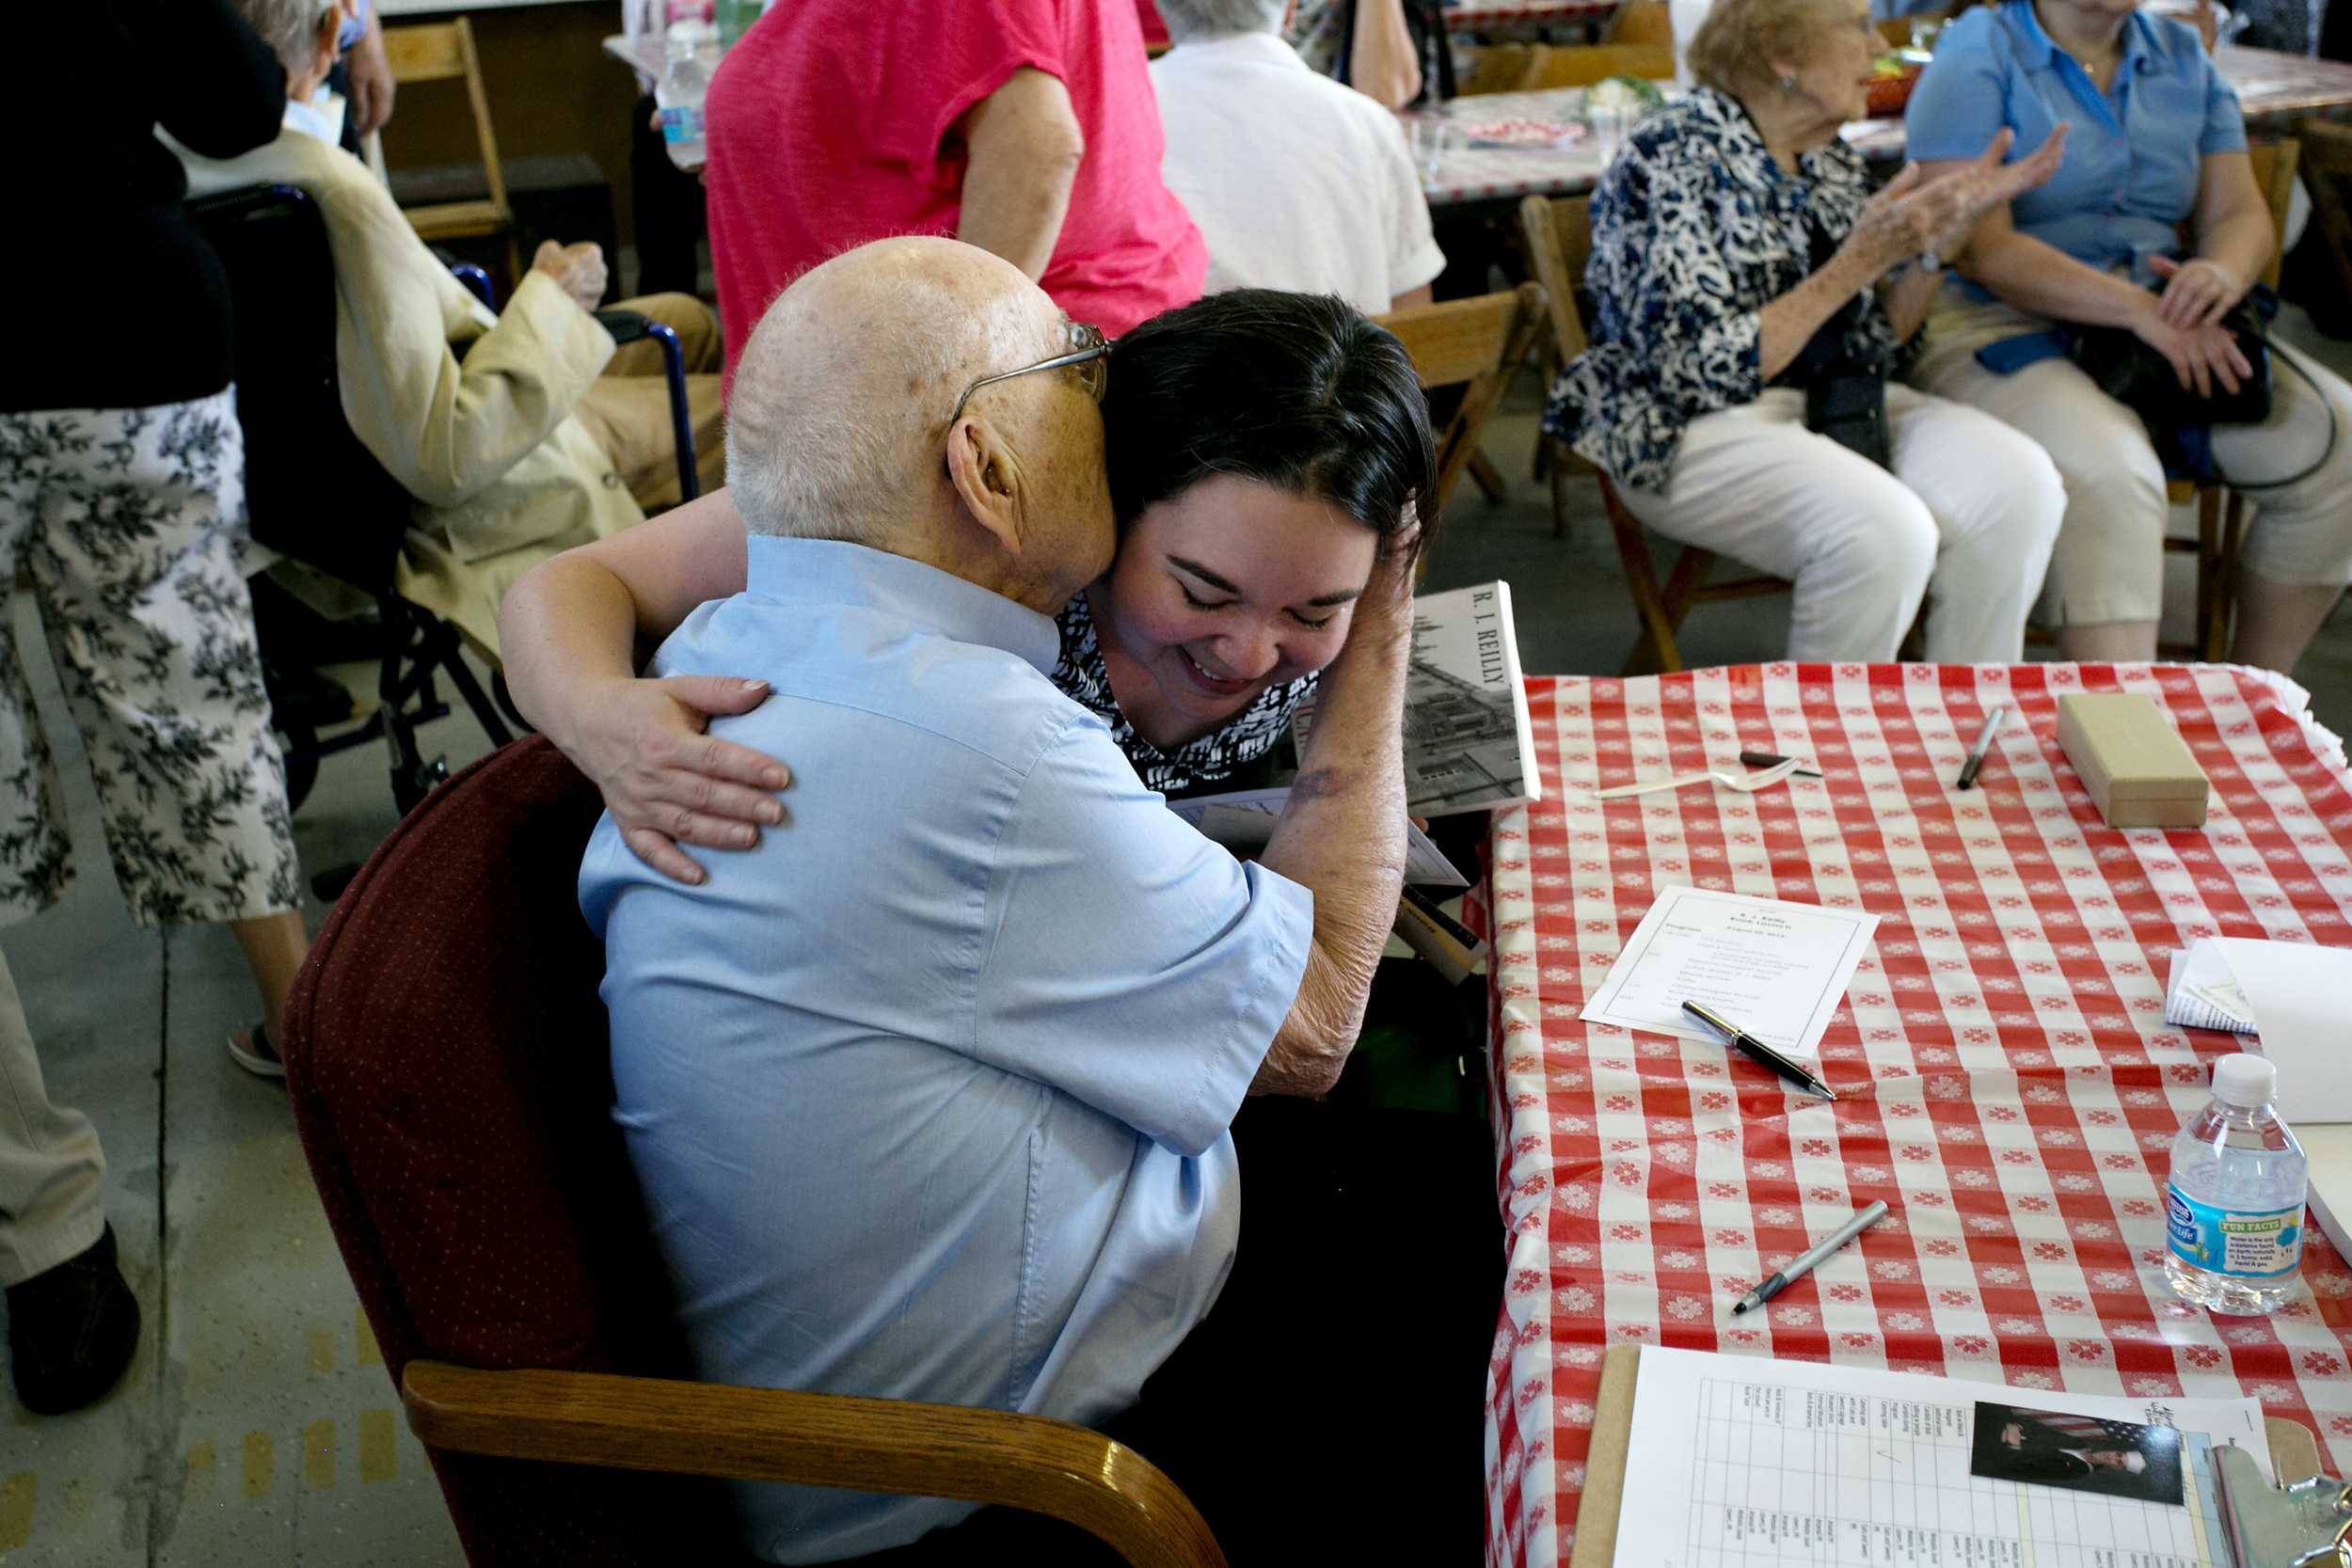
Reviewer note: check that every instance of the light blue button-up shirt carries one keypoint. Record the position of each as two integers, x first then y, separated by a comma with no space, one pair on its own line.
929,1093
2133,154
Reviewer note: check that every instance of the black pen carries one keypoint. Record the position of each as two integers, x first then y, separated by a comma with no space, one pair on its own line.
1984,741
1766,759
1756,1050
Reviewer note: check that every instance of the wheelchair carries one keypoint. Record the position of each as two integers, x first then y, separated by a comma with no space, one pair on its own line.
315,495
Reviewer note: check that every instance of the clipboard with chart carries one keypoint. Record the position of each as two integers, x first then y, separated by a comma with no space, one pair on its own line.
1745,1463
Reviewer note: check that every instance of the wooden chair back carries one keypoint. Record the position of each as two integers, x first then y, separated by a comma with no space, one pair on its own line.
2324,149
1559,236
2275,165
443,52
1640,22
1583,66
1472,344
1491,68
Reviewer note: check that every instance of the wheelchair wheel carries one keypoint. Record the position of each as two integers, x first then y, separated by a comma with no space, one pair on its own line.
302,772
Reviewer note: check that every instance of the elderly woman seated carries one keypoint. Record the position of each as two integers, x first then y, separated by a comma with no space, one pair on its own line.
519,434
2158,149
1752,295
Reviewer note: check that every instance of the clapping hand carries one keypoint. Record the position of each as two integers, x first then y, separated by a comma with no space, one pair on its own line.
578,269
1910,216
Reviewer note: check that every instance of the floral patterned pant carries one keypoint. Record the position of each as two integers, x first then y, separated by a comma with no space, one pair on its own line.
128,522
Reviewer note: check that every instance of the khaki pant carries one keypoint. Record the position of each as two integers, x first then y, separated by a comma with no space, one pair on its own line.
627,410
1965,518
53,1177
2108,564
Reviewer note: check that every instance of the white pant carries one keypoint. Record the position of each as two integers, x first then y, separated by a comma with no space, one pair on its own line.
2109,562
1968,515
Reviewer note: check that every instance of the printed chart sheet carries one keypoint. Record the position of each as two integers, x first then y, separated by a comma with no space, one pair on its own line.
1742,1463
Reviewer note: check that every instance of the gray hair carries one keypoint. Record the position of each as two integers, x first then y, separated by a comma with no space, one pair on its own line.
1199,20
834,420
289,27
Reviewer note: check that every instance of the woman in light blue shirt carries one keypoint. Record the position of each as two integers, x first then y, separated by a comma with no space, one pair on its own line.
2155,156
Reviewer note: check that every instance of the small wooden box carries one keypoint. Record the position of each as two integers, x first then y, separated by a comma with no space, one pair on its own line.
2137,769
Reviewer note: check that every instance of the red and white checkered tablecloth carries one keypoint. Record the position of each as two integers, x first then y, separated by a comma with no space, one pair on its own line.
2007,1080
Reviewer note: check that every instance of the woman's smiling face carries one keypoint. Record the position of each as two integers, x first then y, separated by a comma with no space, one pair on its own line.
1221,591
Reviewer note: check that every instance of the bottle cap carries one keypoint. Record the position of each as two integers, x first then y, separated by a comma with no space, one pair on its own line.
2245,1080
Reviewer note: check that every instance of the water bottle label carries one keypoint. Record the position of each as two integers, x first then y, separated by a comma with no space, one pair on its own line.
681,122
2260,1245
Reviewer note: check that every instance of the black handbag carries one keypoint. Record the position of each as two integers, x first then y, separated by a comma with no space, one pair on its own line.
2137,376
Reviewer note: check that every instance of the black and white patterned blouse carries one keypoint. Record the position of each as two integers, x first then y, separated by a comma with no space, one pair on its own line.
1250,734
1695,230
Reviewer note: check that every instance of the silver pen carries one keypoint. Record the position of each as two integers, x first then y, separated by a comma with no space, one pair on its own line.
1984,743
1805,1263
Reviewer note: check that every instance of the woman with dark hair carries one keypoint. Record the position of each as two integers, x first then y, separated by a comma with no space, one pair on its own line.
1263,449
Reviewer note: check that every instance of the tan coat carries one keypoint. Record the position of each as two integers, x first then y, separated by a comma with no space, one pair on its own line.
503,474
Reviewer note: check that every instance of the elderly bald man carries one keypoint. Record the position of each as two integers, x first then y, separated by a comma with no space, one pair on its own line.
929,1093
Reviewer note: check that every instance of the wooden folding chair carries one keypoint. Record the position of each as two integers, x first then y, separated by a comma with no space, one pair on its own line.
1475,344
444,52
2221,510
1559,237
1580,66
1640,22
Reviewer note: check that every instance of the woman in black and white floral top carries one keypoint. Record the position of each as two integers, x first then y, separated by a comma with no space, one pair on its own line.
1751,295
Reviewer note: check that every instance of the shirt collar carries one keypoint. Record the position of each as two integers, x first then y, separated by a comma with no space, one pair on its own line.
825,572
322,117
2140,53
1265,48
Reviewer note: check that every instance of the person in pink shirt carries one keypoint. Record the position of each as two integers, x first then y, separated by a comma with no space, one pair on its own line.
1024,127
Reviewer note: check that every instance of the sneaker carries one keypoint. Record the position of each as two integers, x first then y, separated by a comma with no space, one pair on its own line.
71,1331
251,1050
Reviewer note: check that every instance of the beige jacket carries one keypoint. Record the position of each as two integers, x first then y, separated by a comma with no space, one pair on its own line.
503,474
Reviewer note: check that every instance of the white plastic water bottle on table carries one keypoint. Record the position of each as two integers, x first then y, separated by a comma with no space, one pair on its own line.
679,96
2235,1205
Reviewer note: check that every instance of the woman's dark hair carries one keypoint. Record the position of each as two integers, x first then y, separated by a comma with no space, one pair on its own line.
1299,391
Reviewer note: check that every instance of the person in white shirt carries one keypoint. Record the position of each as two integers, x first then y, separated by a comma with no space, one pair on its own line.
1296,181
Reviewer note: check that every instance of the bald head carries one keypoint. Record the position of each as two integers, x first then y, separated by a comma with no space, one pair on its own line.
841,398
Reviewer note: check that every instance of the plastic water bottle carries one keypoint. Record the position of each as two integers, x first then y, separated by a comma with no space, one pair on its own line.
2234,1206
685,78
1685,18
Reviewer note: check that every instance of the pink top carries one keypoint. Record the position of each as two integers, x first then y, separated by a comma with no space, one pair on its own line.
830,125
1148,16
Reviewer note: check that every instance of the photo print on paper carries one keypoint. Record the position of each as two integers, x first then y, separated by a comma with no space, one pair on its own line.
2042,1448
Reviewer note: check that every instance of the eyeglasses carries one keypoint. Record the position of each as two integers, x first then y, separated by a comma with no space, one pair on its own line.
1089,350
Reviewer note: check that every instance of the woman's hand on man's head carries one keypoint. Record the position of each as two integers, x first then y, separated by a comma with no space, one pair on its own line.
664,780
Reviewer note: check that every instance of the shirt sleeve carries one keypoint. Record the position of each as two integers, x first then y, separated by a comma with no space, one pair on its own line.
1131,963
1414,258
1961,102
2225,122
1658,257
224,89
963,52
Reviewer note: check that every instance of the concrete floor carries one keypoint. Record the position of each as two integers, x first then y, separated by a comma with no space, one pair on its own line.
257,1426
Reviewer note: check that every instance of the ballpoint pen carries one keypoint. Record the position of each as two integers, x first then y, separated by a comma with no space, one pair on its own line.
1805,1263
1766,759
1984,740
1756,1050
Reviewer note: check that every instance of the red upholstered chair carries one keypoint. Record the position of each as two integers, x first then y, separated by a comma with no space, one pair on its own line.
446,1056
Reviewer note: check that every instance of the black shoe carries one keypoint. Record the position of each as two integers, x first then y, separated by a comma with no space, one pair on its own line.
71,1331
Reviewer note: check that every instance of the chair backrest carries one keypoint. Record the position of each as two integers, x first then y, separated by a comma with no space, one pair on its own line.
1581,66
446,1058
2274,173
1491,67
1640,22
442,52
311,490
1474,344
1559,235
